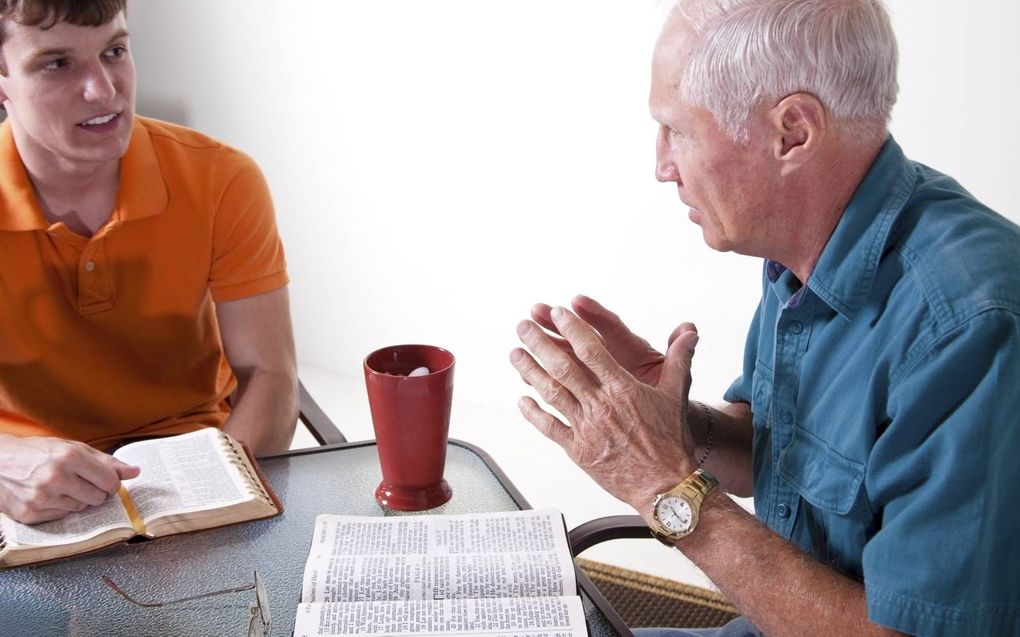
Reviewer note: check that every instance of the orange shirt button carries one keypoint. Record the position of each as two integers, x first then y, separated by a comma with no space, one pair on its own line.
90,266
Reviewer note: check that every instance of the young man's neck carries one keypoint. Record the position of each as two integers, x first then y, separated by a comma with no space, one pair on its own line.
80,194
65,179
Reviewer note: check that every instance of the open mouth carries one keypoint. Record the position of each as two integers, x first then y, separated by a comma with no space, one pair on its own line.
99,120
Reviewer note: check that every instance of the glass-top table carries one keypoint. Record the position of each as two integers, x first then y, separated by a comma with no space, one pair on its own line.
68,597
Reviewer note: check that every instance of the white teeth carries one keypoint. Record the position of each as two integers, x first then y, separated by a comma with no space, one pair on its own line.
96,121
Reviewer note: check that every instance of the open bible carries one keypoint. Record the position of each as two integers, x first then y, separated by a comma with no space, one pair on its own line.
189,482
506,573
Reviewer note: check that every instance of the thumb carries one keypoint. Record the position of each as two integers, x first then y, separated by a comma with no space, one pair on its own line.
680,329
676,370
124,471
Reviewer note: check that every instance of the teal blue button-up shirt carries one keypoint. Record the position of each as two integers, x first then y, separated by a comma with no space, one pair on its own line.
886,402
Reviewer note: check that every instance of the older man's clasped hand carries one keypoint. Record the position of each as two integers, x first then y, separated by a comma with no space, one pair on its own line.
625,403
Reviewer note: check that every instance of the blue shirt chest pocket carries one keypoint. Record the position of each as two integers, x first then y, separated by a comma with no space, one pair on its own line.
834,519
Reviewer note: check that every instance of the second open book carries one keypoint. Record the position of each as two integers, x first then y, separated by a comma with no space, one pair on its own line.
506,573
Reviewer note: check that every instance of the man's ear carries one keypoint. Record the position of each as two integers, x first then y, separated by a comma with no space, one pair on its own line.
798,124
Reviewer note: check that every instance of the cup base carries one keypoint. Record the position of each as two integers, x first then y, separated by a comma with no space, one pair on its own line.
403,499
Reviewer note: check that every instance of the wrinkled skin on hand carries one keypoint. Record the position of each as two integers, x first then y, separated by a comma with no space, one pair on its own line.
632,352
625,404
44,479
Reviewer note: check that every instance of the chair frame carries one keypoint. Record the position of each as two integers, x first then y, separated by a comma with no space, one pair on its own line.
612,527
316,420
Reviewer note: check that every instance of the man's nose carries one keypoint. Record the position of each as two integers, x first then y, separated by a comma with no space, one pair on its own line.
665,168
98,85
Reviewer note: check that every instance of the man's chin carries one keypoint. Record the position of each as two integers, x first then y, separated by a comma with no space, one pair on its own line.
714,241
110,150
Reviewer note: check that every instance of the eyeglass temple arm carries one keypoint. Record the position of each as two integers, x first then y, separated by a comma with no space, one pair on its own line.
109,582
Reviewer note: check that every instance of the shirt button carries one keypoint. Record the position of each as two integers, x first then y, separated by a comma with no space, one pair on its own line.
783,511
796,327
90,266
759,398
786,417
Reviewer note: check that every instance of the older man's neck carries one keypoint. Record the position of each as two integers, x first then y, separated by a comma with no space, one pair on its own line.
824,193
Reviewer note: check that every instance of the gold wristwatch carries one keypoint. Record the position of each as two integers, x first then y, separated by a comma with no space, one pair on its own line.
675,512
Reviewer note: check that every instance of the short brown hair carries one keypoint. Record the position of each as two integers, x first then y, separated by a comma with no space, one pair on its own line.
46,13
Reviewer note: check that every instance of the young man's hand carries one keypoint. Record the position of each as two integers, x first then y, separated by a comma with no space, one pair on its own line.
44,479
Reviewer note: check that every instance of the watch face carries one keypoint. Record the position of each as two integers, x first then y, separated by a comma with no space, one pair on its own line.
675,514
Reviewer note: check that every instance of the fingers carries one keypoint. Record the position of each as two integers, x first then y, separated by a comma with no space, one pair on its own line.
78,490
37,516
126,471
549,425
593,312
588,347
632,352
70,505
540,314
607,323
101,470
628,348
676,372
551,391
560,365
83,475
590,310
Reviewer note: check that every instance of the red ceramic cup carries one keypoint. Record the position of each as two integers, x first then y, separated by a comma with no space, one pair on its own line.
411,416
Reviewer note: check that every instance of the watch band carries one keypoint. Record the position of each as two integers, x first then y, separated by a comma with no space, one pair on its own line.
694,489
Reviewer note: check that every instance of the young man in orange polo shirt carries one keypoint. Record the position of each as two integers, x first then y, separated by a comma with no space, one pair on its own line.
142,279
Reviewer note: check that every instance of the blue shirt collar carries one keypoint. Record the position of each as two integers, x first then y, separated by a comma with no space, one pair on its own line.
846,269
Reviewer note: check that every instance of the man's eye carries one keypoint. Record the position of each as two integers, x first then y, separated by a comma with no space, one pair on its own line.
116,52
57,64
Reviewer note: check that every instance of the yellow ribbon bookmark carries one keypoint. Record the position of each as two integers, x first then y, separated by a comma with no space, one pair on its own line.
129,506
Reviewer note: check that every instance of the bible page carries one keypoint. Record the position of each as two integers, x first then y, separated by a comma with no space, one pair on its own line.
181,474
534,617
436,557
76,527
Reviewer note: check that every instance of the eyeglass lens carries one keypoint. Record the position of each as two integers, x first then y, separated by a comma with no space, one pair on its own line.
261,621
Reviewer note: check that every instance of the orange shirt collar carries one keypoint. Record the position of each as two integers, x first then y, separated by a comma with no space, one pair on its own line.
142,191
19,207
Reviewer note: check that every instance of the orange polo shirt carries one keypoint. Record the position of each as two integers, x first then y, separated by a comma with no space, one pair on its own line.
114,337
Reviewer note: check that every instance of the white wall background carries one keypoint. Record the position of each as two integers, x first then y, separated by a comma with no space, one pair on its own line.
440,166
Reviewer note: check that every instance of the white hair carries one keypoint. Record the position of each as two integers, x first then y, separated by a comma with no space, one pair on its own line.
748,51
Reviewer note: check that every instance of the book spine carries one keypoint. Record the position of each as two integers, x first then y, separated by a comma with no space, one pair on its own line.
236,457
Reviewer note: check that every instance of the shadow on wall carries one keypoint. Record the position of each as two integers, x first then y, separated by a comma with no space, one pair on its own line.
166,110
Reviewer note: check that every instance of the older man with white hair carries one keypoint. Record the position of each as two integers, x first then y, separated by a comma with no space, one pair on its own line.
876,418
